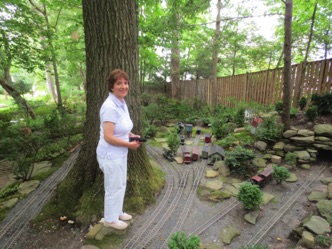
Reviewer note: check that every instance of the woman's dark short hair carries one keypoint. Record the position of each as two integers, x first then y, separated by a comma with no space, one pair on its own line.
114,76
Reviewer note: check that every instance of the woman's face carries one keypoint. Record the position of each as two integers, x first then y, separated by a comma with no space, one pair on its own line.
120,88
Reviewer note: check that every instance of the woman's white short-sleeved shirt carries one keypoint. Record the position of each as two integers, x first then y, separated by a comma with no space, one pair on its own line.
113,110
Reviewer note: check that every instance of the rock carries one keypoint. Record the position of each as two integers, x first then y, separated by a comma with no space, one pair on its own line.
325,209
41,167
214,185
302,155
322,139
94,231
211,173
160,140
267,198
316,196
222,168
279,146
292,178
260,145
303,140
259,162
178,159
267,156
276,159
9,204
317,225
228,233
305,133
326,180
305,166
292,148
237,130
308,240
323,146
163,129
252,217
27,187
324,130
289,133
329,191
231,190
280,153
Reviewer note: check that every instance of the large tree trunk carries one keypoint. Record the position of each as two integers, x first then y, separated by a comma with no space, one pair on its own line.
111,42
287,65
215,57
305,61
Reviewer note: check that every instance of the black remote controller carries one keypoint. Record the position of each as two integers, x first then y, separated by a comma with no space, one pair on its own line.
139,139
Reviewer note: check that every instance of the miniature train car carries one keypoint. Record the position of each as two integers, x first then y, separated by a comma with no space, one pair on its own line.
186,156
207,138
195,154
262,178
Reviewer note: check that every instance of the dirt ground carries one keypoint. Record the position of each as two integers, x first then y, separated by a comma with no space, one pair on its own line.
54,234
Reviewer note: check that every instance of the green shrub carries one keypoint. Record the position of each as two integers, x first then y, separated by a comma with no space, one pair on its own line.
293,112
220,128
270,130
311,113
323,240
280,174
173,141
278,107
179,240
239,161
303,102
323,103
250,196
150,131
238,117
290,158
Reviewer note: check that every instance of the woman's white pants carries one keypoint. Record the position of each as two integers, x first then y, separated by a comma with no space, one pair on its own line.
115,179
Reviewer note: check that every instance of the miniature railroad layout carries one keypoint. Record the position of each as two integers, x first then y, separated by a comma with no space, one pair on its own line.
11,229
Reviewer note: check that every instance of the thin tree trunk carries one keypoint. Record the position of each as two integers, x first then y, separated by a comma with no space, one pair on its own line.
287,64
215,57
305,61
50,82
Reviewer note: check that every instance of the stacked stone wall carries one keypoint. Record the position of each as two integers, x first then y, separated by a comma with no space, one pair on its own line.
305,143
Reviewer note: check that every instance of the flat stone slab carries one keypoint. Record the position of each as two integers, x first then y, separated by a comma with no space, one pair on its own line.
267,198
214,185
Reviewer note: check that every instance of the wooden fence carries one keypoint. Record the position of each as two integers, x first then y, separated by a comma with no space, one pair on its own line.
264,87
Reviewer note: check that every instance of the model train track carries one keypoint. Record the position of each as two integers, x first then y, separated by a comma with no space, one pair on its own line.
288,204
145,235
152,228
12,228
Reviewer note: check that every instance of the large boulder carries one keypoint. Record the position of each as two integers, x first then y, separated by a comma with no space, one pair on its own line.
27,187
214,185
316,196
260,145
305,133
308,240
251,217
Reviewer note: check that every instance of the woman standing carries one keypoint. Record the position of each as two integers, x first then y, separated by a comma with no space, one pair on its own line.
112,149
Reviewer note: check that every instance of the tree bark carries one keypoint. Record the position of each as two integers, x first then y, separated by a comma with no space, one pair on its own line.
287,64
215,57
111,39
50,82
305,61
